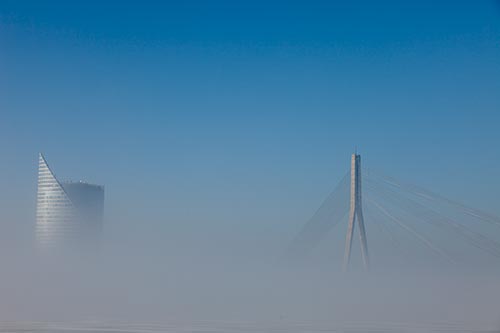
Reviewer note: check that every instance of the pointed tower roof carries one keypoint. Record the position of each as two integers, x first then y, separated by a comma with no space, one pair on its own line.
47,178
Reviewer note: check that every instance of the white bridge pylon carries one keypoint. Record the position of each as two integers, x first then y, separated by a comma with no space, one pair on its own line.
356,214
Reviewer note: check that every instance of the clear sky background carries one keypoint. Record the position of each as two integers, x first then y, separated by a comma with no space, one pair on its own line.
230,122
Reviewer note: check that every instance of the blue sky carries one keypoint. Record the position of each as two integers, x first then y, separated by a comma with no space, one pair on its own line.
223,115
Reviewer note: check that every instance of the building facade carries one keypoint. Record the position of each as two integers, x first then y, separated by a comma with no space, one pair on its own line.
66,212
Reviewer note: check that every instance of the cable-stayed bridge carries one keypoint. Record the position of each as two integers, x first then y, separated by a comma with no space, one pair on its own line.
409,218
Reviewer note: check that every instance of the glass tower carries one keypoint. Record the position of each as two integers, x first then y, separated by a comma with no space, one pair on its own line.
66,212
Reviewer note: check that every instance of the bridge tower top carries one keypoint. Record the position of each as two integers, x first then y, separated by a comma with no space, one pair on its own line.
356,214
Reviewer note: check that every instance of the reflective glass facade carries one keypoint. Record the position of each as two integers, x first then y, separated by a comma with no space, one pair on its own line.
66,212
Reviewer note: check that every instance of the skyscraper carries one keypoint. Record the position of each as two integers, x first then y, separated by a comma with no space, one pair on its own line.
66,212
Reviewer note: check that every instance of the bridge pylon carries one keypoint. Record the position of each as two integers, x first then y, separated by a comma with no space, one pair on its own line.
356,214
